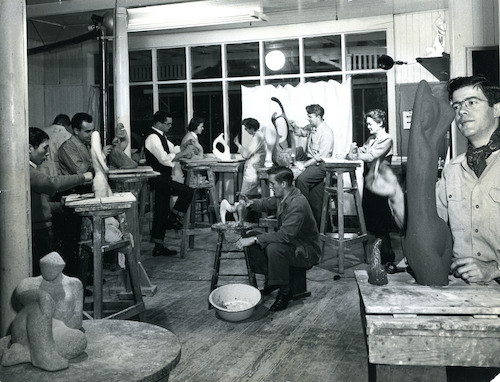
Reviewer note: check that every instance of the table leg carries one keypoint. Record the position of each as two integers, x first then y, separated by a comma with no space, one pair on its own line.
98,234
215,272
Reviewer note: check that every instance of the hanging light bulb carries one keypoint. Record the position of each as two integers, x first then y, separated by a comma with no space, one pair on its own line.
275,60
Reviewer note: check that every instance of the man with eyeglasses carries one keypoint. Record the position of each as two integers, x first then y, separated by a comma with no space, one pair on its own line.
468,194
161,154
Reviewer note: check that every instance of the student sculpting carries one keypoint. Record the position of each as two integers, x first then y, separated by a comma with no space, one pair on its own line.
468,194
255,155
294,244
195,128
376,209
59,132
161,155
42,186
319,145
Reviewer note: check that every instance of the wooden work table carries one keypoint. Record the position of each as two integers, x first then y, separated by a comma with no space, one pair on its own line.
134,180
409,324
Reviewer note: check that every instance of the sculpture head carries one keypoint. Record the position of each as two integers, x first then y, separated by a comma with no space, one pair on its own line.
51,266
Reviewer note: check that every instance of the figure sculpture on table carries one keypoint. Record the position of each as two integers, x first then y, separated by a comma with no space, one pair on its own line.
117,156
100,185
238,210
222,155
47,329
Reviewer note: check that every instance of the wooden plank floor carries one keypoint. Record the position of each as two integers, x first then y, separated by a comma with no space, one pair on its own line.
318,338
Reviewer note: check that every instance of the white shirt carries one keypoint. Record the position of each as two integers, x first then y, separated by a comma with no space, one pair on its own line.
154,146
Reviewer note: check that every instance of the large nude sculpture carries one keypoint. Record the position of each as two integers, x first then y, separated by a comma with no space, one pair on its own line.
281,154
428,240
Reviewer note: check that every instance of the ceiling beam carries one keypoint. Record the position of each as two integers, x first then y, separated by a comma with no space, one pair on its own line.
81,6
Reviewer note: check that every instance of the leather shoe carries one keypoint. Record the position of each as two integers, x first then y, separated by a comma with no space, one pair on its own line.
281,302
268,289
163,251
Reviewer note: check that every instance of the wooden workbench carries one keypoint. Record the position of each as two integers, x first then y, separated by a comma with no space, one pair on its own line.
229,177
134,180
409,324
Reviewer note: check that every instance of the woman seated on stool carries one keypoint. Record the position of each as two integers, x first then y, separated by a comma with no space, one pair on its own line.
376,209
195,128
294,244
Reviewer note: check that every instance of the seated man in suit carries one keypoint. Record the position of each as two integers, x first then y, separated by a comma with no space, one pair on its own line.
294,244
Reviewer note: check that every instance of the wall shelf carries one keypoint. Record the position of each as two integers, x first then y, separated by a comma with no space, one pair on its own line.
437,66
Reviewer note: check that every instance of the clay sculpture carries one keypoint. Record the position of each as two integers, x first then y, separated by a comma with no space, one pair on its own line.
428,240
376,273
222,155
100,184
117,157
282,153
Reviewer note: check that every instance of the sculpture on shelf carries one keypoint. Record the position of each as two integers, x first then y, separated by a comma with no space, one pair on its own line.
438,46
100,184
284,147
238,210
222,155
428,240
376,273
47,328
117,157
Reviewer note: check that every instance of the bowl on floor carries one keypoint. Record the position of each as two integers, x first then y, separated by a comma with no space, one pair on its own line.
235,302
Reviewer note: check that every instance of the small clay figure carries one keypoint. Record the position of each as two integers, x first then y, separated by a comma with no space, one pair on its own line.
376,273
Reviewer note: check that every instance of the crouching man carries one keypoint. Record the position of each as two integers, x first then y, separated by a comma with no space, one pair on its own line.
294,244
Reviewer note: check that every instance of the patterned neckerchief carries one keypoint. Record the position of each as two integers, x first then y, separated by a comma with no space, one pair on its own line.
476,157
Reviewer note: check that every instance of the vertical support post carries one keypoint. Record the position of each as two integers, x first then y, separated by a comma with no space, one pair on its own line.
121,72
15,219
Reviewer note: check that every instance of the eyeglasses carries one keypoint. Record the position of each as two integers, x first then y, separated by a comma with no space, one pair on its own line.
470,103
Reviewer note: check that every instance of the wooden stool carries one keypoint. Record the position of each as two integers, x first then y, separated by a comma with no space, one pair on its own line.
333,199
201,178
222,228
97,210
298,282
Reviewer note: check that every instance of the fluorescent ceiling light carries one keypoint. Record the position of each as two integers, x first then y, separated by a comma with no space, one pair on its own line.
193,14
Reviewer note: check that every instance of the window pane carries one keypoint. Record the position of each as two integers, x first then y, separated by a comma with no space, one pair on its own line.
207,104
281,57
369,91
140,66
206,62
322,54
172,99
141,113
283,81
235,109
171,64
363,49
324,78
243,59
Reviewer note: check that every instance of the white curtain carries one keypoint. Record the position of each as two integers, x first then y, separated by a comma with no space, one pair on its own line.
333,96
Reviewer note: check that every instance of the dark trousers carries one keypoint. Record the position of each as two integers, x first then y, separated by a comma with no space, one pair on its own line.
378,218
312,183
274,261
164,188
42,244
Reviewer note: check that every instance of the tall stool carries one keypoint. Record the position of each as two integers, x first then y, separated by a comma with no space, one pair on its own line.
221,229
97,210
333,204
202,179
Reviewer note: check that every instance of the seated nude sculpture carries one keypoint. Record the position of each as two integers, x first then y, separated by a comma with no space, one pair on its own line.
47,330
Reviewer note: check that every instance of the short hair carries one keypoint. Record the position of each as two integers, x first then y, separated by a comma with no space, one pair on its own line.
315,109
282,174
37,136
377,115
194,123
490,90
62,119
251,123
160,116
79,118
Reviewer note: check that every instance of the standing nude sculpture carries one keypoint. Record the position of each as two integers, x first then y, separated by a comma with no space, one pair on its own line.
100,184
428,240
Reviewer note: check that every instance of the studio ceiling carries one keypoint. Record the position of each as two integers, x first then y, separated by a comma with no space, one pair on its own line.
55,20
